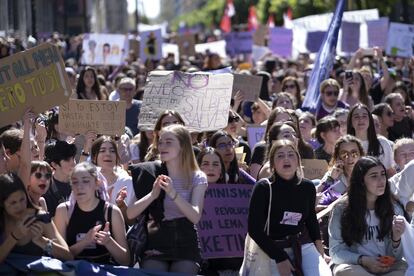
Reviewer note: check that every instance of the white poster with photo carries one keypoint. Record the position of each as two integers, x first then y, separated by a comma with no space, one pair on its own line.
202,99
104,49
217,47
150,45
400,40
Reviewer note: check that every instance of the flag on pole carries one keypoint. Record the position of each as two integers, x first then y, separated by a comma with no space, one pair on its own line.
324,61
229,12
271,21
252,22
287,19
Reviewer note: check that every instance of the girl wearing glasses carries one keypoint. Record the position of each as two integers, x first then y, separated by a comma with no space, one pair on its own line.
225,145
233,128
364,232
329,96
347,151
361,125
293,226
40,176
386,118
291,85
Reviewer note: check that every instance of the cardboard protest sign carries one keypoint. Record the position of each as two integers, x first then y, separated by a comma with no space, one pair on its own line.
255,134
281,41
203,100
350,36
150,45
35,78
239,43
104,49
377,32
103,117
314,168
400,40
259,36
223,225
248,85
186,45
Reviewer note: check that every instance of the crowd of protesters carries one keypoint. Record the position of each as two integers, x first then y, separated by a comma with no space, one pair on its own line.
73,196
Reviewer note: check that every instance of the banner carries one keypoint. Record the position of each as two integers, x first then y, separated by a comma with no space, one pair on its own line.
223,225
103,117
350,36
281,41
150,45
239,43
35,78
324,61
186,45
104,49
202,99
400,40
255,134
248,85
217,47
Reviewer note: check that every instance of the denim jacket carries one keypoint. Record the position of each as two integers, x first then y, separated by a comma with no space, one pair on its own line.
344,254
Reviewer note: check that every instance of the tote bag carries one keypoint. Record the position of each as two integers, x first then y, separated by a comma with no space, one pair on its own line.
255,260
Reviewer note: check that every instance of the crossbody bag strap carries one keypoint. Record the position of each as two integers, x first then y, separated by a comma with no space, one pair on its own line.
267,225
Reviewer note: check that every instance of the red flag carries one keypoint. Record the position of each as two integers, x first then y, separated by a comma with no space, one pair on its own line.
271,21
287,19
252,22
229,11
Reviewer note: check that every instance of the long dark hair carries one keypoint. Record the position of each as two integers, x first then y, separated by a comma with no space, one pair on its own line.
353,221
233,171
374,146
96,147
9,184
80,87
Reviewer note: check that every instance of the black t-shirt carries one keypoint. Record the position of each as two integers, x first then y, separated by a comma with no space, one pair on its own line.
320,153
376,92
58,192
404,128
293,207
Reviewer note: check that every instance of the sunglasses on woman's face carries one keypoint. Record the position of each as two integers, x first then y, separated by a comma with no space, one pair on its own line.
290,86
233,119
39,175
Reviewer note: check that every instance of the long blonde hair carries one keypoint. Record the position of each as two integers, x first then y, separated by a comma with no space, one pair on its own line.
280,144
187,157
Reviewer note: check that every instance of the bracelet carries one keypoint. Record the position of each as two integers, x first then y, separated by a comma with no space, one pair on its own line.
13,236
175,196
48,248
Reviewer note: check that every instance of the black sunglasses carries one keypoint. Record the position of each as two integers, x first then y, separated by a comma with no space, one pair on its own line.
39,175
233,119
330,93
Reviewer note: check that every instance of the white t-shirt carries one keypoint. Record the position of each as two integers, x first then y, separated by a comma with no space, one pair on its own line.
124,179
387,157
370,244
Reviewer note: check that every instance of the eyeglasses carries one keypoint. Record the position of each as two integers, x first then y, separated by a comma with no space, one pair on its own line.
329,93
223,146
39,175
233,119
346,155
290,86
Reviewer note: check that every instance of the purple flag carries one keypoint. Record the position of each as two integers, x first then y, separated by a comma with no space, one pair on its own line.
350,37
281,41
324,61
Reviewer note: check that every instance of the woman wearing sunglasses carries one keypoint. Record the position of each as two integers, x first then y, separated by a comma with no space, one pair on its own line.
40,176
291,86
329,95
233,128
